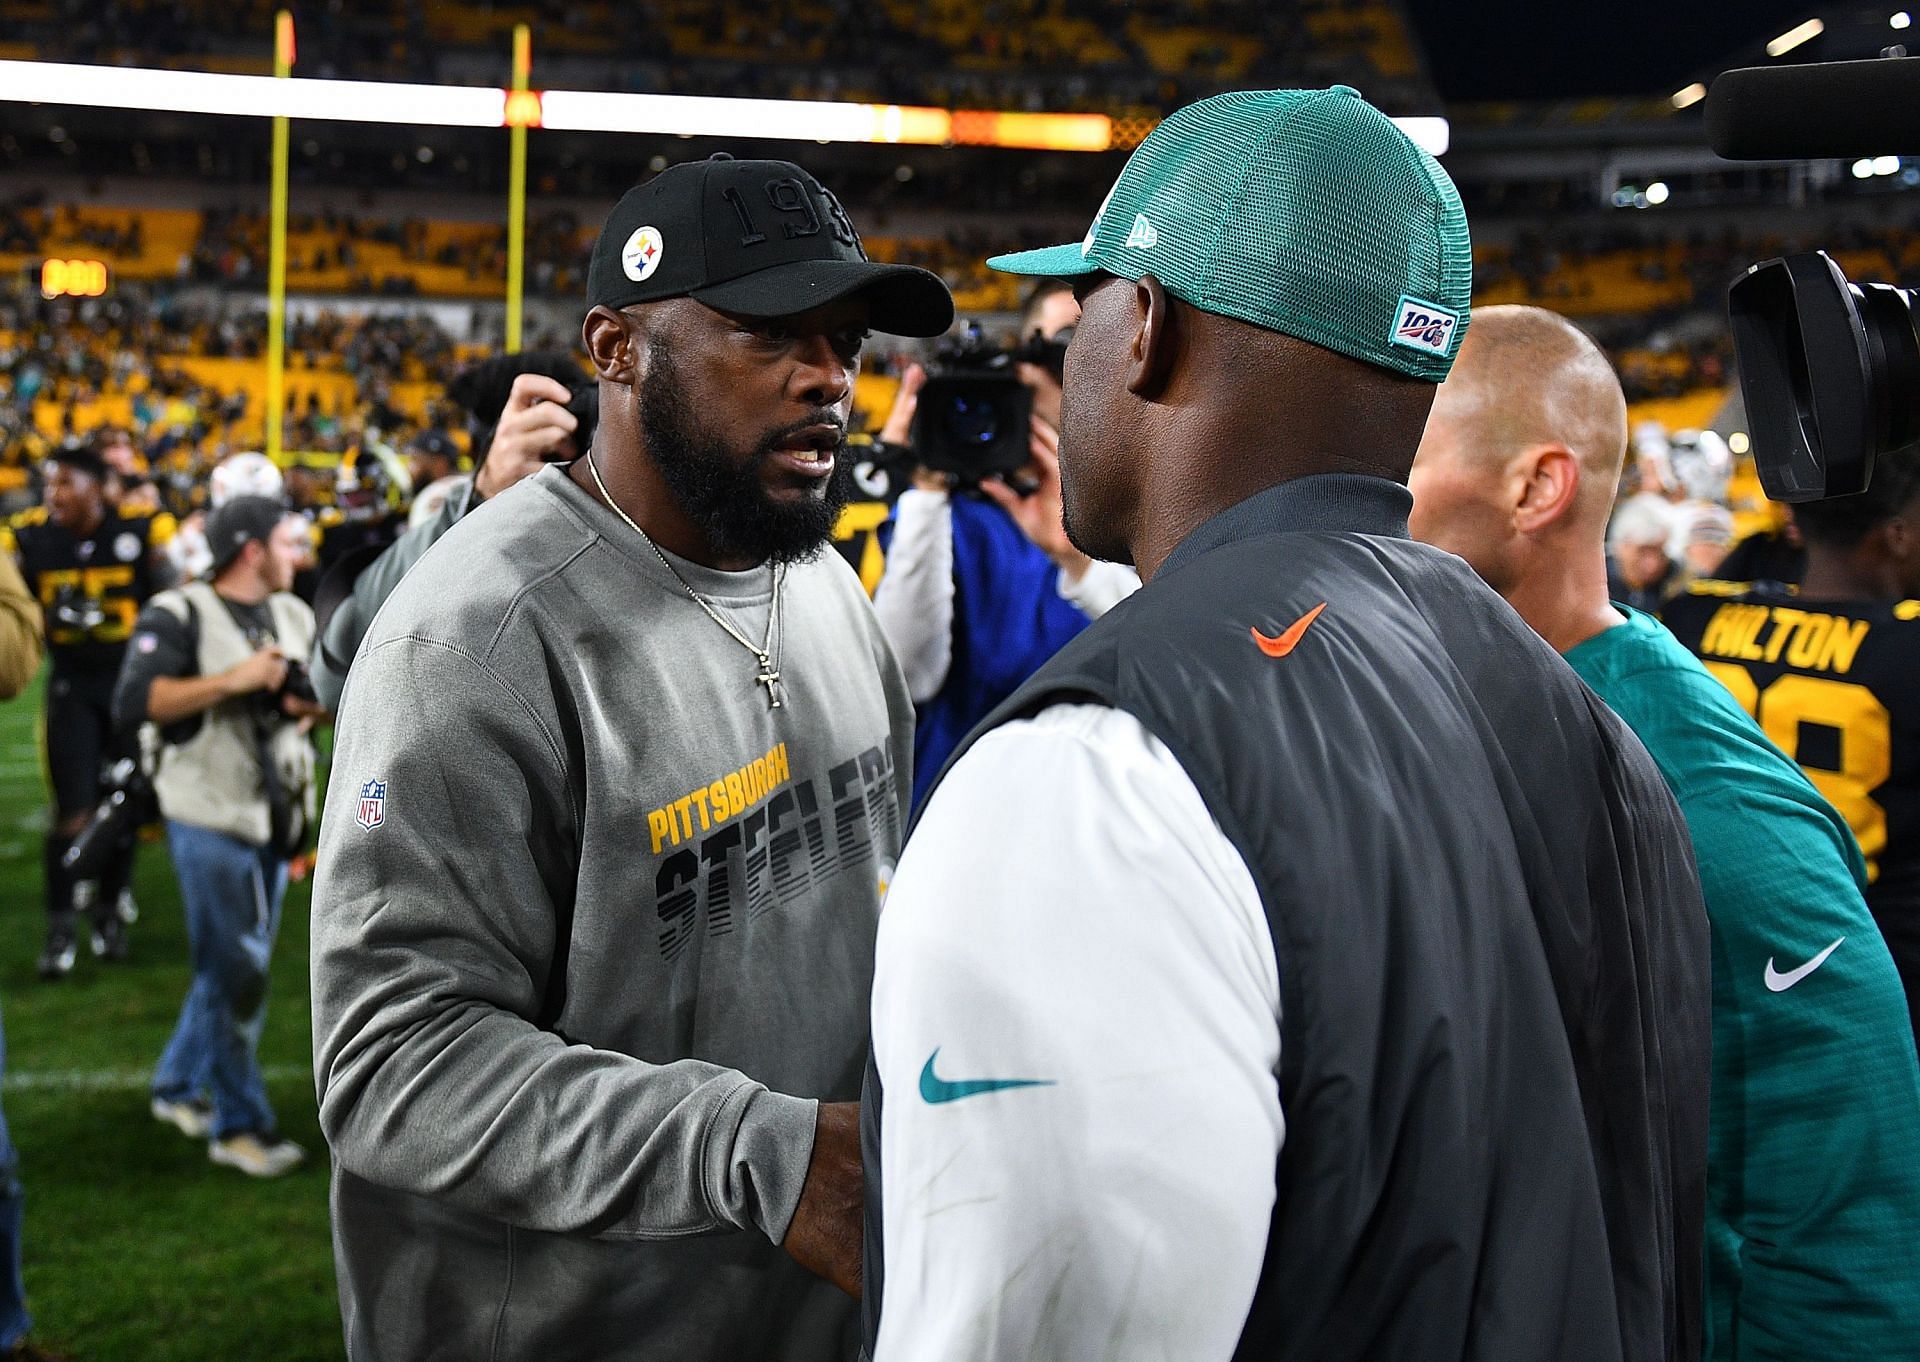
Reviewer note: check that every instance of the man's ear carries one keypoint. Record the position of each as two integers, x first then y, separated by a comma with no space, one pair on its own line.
613,342
1150,362
1549,484
1900,538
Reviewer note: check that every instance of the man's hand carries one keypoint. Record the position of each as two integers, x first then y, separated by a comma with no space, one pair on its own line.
898,429
824,1236
1040,514
265,670
308,712
535,428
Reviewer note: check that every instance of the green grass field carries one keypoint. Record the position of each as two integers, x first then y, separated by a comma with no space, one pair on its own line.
137,1248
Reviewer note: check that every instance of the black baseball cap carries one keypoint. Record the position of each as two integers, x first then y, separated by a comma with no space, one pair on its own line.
81,458
235,524
435,444
757,239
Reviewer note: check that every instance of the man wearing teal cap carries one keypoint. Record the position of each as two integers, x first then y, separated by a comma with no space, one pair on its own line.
1303,965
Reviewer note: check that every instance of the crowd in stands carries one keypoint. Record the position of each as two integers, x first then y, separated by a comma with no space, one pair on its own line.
1596,270
26,223
142,360
1595,274
187,377
340,253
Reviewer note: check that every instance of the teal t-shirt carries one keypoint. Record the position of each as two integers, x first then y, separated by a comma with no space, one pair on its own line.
1813,1169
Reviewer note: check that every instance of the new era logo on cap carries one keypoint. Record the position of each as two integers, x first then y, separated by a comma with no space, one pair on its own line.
1143,236
1424,326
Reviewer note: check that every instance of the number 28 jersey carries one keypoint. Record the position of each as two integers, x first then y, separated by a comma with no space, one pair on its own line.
1836,686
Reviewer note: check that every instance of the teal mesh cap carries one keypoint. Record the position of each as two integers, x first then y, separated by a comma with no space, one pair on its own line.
1303,211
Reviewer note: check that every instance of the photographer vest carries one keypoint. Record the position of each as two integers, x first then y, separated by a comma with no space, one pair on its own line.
212,779
1492,951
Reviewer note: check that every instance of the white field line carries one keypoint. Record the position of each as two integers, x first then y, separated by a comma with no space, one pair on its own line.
115,1080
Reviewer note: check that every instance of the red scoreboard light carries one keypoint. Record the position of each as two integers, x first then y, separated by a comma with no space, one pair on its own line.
73,278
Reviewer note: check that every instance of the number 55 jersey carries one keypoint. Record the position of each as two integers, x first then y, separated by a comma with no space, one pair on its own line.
90,589
1836,686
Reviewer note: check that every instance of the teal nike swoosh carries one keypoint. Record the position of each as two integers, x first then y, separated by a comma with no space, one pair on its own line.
935,1090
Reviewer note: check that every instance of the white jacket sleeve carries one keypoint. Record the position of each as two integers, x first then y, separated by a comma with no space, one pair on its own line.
1076,1024
1101,587
915,597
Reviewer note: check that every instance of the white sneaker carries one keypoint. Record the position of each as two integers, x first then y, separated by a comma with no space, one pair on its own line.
192,1119
125,907
256,1158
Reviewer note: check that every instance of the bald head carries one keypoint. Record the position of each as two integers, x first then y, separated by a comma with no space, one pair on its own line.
1527,377
1519,464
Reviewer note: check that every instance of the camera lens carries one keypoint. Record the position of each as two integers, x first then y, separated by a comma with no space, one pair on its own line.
1830,372
971,420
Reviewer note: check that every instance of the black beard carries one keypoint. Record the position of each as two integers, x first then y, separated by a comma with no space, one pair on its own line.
721,492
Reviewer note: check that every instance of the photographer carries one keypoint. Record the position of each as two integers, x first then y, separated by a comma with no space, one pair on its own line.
528,421
433,474
218,667
980,590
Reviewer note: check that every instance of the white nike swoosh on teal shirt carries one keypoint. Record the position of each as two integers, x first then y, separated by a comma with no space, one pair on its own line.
1780,983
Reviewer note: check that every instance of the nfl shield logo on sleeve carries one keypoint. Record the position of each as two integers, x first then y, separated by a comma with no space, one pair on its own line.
373,804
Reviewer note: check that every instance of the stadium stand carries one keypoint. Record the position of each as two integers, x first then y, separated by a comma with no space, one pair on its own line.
396,266
1642,293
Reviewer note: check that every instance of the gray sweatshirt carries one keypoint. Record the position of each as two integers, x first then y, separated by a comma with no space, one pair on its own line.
592,932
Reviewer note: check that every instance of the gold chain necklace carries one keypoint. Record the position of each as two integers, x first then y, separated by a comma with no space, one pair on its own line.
769,675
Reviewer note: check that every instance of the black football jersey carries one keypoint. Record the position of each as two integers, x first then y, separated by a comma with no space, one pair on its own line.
1836,685
340,536
90,589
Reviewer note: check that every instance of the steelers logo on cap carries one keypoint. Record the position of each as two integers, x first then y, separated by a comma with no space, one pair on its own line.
641,255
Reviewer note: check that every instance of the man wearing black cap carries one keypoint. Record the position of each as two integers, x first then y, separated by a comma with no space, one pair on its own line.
210,664
433,473
622,772
90,568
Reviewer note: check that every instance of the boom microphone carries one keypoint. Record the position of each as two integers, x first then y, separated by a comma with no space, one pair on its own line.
1816,110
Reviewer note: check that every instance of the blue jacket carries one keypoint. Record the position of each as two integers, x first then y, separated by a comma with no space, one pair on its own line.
1008,620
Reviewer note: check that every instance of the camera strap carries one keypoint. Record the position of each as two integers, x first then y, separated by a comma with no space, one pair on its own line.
251,632
287,823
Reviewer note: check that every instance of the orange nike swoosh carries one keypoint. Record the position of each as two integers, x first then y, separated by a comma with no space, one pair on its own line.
1280,647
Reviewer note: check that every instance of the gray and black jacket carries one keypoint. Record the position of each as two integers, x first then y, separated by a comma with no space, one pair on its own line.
1492,948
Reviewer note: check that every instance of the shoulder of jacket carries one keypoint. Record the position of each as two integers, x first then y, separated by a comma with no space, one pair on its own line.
175,600
286,603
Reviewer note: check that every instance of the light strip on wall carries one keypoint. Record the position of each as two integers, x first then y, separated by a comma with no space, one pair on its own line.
350,101
461,106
